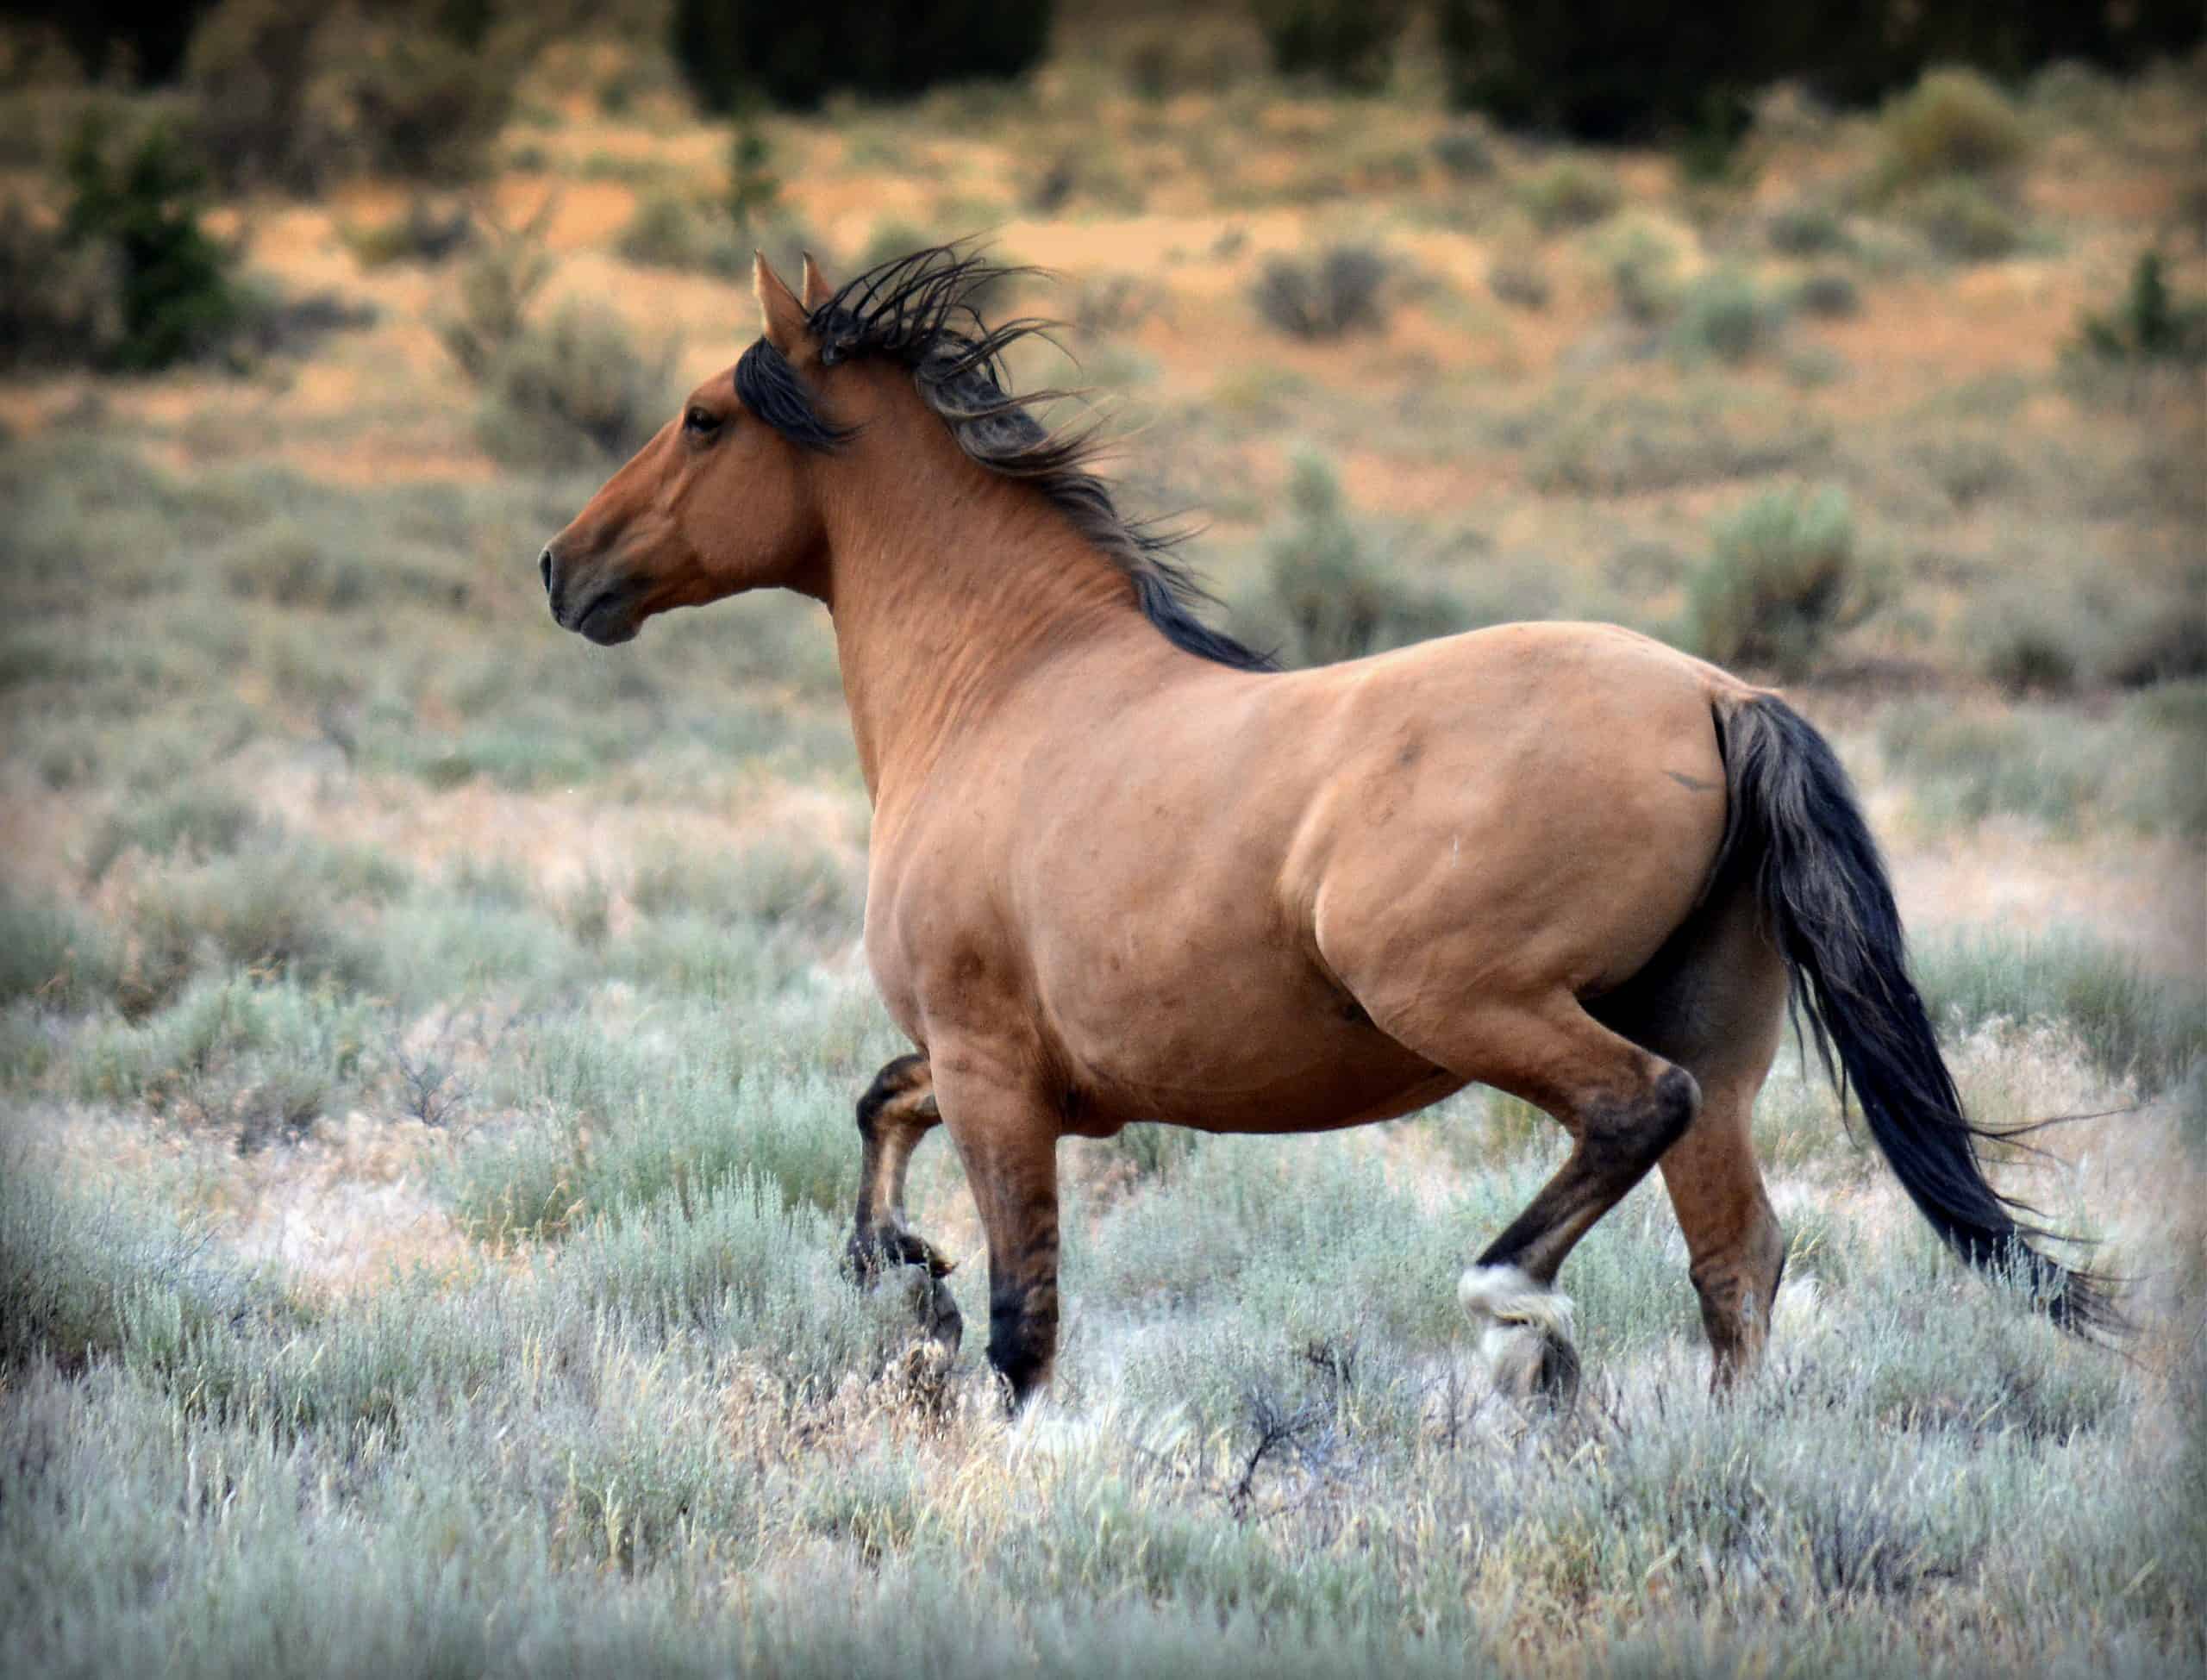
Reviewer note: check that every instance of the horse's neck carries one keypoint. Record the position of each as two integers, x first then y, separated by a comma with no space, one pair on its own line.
942,604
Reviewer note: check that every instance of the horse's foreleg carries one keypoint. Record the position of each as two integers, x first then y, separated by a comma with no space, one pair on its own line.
897,1110
1007,1134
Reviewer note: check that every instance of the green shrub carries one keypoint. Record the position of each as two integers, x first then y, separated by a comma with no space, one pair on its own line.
138,217
1828,293
1465,152
1725,317
1964,219
1807,229
1348,43
2150,324
1333,599
494,290
202,821
273,910
2028,645
1571,192
1952,122
730,51
297,97
255,1059
1781,580
577,391
1519,281
1341,290
76,1270
52,954
670,231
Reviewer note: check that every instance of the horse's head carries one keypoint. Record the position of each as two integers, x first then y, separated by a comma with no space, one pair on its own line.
717,503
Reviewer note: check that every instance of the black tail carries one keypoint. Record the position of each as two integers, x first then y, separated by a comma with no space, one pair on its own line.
1829,909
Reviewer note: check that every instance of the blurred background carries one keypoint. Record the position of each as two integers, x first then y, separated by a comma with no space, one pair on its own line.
411,1013
1859,349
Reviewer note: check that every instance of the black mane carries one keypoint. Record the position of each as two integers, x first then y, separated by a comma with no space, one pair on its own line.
919,312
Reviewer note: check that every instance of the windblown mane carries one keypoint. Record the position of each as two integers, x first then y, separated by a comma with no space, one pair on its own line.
919,311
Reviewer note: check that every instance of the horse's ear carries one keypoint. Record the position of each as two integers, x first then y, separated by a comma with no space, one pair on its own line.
816,288
781,316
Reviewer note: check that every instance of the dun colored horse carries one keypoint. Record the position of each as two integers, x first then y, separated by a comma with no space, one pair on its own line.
1124,870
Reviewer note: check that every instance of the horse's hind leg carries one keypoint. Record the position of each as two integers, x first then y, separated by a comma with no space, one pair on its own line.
1623,1107
897,1110
1715,1003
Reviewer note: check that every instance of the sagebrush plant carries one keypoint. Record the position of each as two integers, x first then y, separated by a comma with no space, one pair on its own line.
1330,596
1954,121
1783,577
1570,192
1340,290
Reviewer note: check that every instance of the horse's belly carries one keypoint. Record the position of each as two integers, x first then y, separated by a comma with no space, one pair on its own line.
1233,1046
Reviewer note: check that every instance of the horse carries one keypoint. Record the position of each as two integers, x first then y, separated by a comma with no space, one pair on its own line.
1124,868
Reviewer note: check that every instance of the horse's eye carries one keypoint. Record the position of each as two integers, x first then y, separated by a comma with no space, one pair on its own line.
701,423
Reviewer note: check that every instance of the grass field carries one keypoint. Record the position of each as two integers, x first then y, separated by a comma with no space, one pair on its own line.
428,1042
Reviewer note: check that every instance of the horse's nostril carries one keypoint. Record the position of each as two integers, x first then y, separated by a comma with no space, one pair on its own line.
544,569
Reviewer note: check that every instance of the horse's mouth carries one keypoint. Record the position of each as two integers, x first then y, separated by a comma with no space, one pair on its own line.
607,619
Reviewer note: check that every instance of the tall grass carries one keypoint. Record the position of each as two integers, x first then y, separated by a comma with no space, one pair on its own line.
2133,1024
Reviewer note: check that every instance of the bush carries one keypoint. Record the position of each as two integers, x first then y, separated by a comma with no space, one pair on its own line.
2029,646
670,231
1952,122
296,96
730,51
200,821
1465,153
1331,597
137,218
52,953
1807,230
1724,316
260,1059
1341,292
577,391
1570,193
1828,293
1348,43
1519,281
1964,220
495,290
1782,580
2150,324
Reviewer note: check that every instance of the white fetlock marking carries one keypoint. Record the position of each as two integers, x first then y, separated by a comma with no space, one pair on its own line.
1504,1298
1517,1321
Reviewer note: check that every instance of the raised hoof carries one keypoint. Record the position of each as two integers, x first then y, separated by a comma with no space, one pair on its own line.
1525,1335
871,1254
915,1265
